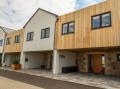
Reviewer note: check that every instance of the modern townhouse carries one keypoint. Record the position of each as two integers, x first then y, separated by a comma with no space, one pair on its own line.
88,40
3,32
13,47
39,41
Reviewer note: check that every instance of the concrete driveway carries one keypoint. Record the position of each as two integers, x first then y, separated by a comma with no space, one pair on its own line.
35,82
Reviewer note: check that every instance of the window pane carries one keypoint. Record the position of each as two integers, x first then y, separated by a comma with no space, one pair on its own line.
106,20
7,41
42,33
65,28
71,27
103,60
96,22
17,39
31,36
1,42
47,32
28,36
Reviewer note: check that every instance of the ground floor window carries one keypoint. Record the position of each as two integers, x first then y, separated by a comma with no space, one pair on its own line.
103,61
118,57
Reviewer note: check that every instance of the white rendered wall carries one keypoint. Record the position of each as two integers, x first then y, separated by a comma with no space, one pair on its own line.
68,60
40,21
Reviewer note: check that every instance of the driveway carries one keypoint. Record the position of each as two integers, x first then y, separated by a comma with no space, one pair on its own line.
41,82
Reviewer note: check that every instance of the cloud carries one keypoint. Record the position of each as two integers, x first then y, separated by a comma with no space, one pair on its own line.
15,13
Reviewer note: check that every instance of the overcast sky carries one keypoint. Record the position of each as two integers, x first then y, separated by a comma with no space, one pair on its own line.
15,13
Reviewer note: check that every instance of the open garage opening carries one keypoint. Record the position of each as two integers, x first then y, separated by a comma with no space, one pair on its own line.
10,58
39,60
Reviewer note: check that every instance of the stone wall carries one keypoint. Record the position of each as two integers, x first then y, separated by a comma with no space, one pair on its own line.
82,62
112,66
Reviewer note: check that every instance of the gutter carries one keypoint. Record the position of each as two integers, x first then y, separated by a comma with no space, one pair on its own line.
54,45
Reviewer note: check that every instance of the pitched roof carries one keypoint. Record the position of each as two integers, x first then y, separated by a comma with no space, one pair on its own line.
36,12
6,30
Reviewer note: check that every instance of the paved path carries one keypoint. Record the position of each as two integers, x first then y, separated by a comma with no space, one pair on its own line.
44,83
6,83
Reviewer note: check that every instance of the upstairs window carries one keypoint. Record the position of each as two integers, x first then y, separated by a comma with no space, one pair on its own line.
71,27
106,20
96,22
68,28
8,40
30,36
45,33
17,39
101,20
65,29
1,42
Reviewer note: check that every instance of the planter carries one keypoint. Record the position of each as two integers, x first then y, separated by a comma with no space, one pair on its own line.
16,66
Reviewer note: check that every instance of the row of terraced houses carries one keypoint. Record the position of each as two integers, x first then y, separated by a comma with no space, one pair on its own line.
86,40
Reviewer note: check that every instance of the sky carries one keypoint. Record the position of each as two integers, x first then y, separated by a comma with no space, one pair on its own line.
15,13
85,3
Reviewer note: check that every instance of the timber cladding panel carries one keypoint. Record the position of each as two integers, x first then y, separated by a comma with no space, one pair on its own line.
84,36
14,47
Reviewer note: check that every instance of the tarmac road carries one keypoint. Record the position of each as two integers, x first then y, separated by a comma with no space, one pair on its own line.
36,81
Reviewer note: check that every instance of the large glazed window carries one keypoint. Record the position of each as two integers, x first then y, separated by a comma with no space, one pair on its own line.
101,20
30,36
68,28
45,33
1,42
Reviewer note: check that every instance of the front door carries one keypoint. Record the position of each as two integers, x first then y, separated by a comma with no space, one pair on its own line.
96,63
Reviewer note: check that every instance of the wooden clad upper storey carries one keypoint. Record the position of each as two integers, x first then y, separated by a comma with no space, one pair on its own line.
3,32
92,27
14,41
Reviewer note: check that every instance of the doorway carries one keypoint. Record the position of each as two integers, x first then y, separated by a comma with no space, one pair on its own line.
96,63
